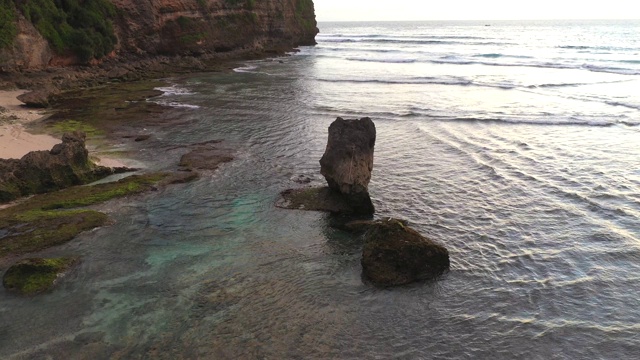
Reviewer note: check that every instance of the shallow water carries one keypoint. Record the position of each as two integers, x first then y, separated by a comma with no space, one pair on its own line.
540,219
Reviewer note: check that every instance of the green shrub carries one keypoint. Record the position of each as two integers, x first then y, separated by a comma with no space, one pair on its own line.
8,29
83,27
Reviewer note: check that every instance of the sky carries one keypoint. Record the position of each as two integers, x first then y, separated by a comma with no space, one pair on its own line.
369,10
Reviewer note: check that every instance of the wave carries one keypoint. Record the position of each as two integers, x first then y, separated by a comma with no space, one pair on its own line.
612,70
606,48
498,55
374,36
617,103
245,69
389,41
413,81
393,61
175,104
568,122
545,65
173,90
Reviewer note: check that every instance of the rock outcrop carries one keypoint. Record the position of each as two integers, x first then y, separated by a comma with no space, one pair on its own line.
29,49
36,275
228,28
348,161
395,254
66,164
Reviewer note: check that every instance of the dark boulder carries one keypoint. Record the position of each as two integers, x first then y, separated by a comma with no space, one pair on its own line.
34,276
348,161
395,254
65,165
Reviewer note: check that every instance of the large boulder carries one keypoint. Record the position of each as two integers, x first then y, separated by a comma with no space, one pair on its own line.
38,98
65,165
348,161
395,254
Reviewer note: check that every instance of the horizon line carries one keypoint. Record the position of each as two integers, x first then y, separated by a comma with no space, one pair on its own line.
567,19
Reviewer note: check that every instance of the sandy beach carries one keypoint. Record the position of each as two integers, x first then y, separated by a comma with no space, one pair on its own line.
15,142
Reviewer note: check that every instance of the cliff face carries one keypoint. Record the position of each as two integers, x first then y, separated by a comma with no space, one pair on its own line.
182,27
29,49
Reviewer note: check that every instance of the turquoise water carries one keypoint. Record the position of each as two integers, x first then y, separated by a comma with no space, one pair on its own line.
534,189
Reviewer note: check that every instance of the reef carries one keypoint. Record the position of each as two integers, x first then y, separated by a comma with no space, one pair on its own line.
54,218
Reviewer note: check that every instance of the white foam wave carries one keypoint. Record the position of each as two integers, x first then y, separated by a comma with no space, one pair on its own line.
175,104
246,69
388,60
174,90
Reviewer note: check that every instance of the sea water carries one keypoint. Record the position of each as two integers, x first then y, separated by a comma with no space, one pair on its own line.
514,144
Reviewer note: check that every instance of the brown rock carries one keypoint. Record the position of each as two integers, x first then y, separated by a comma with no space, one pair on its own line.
348,161
65,165
38,98
395,254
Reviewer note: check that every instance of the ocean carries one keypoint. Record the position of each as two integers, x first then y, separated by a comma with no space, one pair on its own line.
514,144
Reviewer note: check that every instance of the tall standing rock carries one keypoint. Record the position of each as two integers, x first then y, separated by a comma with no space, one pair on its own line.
348,161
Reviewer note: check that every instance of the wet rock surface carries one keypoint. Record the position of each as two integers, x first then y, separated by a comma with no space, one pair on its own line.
65,165
348,161
205,156
395,254
314,199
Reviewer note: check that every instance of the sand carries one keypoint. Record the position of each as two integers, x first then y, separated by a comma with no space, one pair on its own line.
15,142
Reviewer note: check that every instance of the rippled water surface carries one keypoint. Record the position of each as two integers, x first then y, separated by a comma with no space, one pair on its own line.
534,190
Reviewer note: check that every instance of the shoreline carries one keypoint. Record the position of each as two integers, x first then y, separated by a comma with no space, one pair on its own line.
15,140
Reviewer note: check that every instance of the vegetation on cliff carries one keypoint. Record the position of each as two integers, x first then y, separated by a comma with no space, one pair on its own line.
8,29
83,27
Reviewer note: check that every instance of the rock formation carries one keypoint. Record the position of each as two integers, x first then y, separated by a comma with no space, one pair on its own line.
348,161
228,28
66,164
395,254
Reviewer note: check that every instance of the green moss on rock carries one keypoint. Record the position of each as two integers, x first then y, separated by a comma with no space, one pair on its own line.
36,275
44,221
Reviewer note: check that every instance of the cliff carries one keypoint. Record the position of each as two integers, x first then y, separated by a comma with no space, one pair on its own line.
34,39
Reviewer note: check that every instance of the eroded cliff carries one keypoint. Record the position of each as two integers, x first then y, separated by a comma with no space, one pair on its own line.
167,27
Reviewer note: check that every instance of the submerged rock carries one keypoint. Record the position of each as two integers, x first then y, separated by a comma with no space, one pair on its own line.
65,165
314,199
36,275
395,254
348,161
205,157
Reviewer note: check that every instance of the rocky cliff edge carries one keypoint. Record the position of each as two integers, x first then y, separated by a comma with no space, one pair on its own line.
165,27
